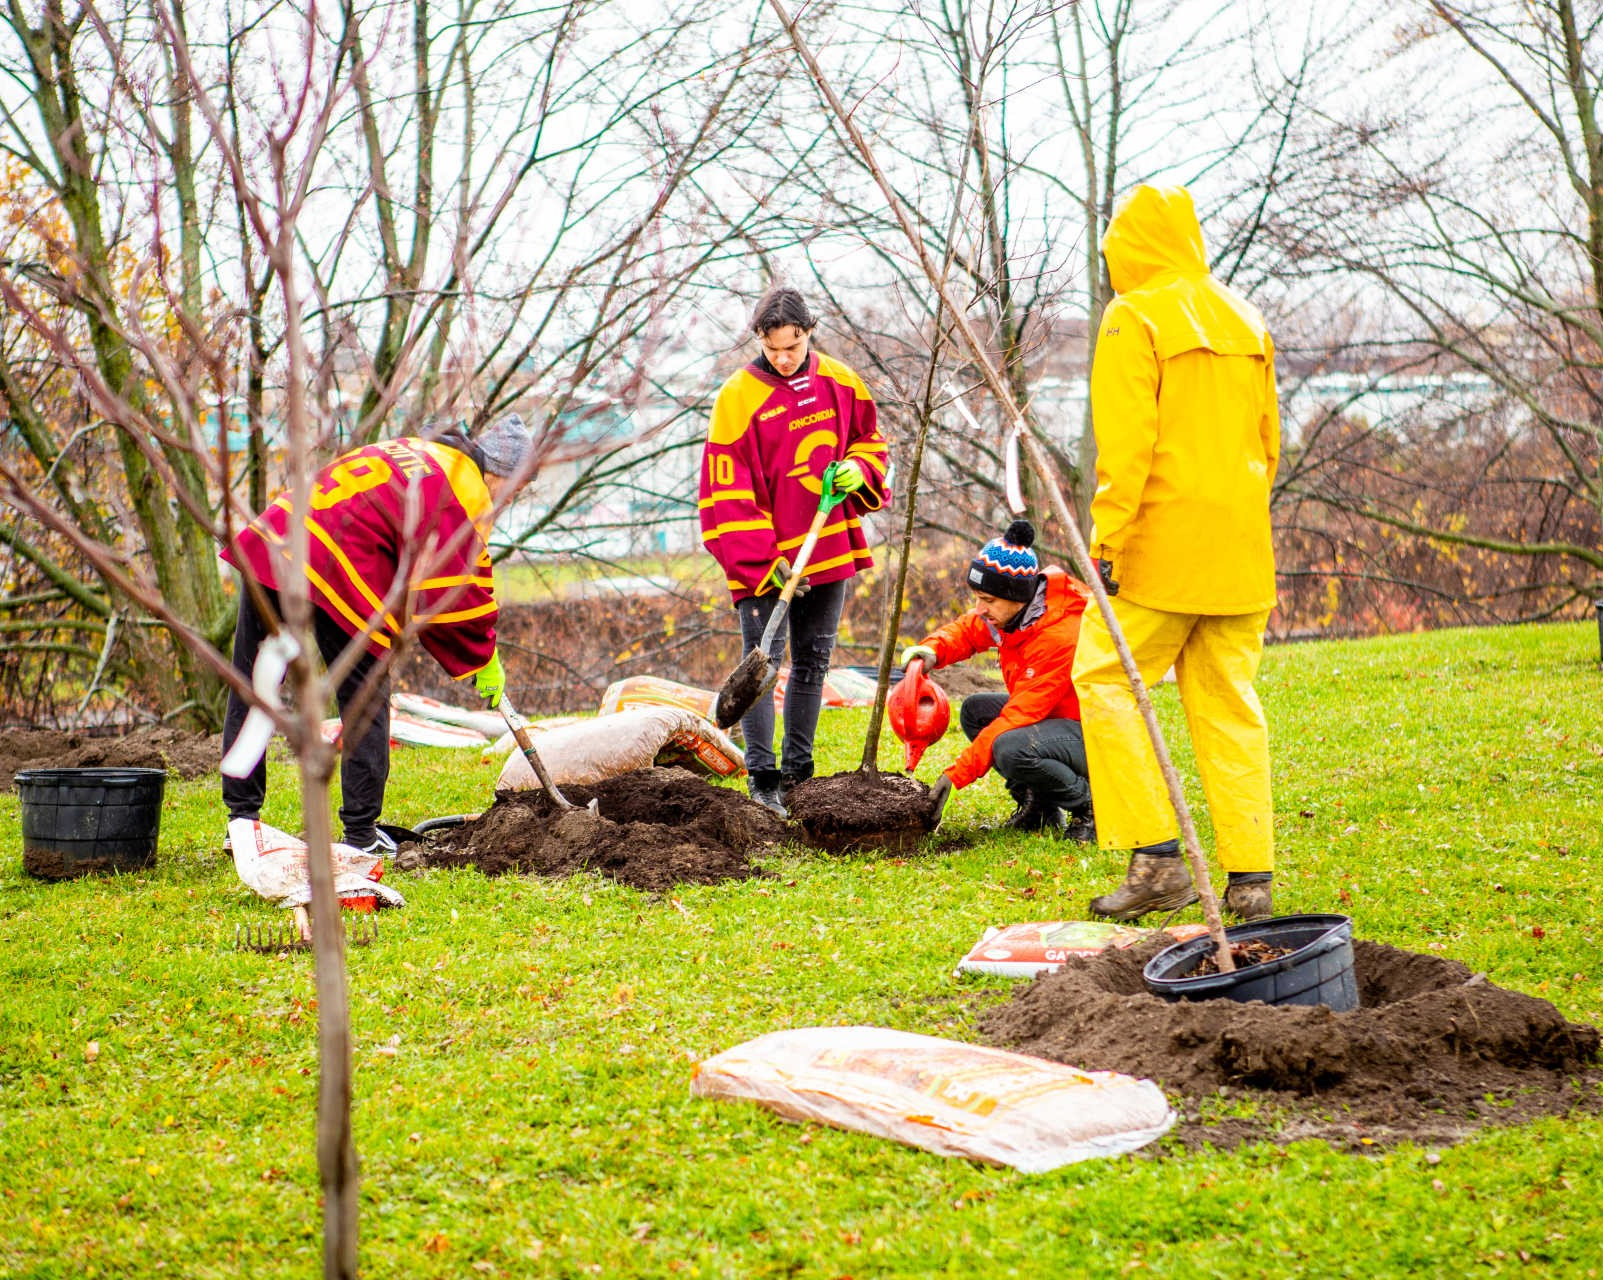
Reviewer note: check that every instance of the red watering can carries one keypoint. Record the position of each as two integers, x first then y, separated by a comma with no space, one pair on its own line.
919,712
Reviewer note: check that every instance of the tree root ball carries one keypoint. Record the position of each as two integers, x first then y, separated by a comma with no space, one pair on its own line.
861,811
656,828
1432,1053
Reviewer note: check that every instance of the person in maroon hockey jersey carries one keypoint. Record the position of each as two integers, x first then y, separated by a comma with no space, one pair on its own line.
423,507
776,425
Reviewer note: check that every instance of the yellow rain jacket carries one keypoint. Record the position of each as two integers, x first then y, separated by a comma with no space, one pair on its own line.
1187,425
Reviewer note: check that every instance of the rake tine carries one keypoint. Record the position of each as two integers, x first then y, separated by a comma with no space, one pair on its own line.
269,939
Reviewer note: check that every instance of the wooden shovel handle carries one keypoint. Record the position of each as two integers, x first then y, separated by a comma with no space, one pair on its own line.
520,733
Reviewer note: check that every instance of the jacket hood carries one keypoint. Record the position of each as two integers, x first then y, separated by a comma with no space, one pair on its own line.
1153,232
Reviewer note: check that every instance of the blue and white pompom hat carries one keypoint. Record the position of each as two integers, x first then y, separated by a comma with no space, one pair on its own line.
1006,567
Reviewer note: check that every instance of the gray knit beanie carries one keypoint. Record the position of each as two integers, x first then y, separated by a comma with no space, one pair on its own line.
503,444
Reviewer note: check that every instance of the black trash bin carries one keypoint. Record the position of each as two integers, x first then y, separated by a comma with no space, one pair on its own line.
78,822
1319,969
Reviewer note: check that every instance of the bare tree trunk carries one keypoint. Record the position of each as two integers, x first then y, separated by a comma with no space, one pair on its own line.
337,1168
898,596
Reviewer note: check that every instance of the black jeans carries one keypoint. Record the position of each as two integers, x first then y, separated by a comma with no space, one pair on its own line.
1046,758
814,619
364,763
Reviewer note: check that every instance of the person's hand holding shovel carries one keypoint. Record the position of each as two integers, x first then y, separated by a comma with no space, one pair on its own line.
491,680
779,576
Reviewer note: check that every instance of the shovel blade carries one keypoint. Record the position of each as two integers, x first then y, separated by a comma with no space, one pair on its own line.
744,686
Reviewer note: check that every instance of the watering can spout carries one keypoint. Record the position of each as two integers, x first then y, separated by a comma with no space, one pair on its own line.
919,713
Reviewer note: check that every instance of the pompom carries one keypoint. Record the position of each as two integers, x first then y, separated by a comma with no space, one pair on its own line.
1021,533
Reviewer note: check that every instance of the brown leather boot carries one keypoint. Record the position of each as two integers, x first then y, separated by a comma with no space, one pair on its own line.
1153,883
1251,900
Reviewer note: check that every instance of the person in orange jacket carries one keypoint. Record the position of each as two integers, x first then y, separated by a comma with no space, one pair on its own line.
1030,734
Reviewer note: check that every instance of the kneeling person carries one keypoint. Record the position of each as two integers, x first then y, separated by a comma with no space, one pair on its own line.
1030,734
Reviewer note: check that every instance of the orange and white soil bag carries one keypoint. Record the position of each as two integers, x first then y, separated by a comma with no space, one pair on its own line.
589,751
951,1098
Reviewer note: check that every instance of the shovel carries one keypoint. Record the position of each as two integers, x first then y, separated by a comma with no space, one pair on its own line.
520,731
757,673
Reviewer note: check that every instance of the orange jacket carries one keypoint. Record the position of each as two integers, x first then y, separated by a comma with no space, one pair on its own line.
1037,667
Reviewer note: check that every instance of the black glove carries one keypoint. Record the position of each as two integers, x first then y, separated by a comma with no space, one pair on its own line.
779,576
940,793
1104,570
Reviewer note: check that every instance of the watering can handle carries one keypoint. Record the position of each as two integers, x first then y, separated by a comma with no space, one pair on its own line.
1014,490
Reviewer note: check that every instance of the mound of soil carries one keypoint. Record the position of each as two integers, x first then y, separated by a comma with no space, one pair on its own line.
656,828
851,812
189,755
1432,1053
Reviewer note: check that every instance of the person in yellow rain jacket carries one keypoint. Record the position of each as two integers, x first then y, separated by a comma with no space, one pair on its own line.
1188,435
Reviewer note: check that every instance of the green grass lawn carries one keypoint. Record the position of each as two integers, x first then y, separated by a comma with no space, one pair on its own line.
524,1049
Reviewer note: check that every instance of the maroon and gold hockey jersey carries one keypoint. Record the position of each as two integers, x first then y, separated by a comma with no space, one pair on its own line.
761,472
408,500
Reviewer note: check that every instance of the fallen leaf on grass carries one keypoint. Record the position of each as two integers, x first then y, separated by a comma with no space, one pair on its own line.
436,1243
91,1051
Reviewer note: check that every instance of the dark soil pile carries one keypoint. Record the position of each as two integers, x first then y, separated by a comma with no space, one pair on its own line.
189,755
1432,1053
656,828
852,812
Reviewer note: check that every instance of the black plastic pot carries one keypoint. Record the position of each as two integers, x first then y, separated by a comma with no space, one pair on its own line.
78,822
1319,969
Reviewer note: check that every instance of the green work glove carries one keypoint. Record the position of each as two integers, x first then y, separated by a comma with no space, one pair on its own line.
849,477
920,651
940,793
491,679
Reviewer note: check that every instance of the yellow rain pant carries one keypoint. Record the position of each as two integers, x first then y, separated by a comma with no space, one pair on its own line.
1214,660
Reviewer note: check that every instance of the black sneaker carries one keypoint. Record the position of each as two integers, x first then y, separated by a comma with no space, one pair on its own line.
763,787
769,798
1035,814
789,781
380,844
1081,826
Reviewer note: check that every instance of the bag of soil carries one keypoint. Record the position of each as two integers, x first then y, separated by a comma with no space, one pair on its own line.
941,1095
589,751
1024,950
273,864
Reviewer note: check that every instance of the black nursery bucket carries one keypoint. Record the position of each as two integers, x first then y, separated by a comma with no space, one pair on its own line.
78,822
1318,970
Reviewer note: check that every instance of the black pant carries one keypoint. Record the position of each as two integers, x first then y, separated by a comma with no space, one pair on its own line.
1046,758
814,619
364,763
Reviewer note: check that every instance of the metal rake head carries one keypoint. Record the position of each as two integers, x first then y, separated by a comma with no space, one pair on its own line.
270,939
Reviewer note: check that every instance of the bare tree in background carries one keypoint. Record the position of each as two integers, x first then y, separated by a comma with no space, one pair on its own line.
1480,272
1054,107
487,231
134,347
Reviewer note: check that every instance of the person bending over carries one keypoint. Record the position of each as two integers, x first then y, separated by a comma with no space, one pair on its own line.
427,503
1030,734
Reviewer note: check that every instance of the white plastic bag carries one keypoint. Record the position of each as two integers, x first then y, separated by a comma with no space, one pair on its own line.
942,1095
273,863
590,751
